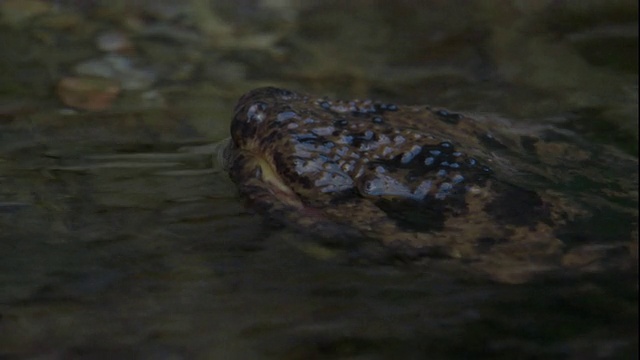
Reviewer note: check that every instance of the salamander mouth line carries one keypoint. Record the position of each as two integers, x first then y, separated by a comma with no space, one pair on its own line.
270,176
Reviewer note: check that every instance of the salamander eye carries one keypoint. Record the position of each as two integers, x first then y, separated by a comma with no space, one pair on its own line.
256,112
373,187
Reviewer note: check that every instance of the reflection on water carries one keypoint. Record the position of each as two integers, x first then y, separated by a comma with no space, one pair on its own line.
121,238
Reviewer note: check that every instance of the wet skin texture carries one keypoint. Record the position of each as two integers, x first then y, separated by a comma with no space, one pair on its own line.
419,180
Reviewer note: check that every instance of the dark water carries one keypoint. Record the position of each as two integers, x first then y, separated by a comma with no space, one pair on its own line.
121,238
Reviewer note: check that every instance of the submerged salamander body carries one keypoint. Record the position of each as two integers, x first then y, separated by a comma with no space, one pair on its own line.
419,179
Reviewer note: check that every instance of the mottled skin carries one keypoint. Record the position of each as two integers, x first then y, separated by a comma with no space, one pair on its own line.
420,180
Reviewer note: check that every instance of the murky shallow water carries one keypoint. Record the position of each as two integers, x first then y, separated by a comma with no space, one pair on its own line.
119,238
127,250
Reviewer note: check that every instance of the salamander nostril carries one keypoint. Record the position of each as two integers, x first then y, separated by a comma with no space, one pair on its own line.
256,112
286,94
